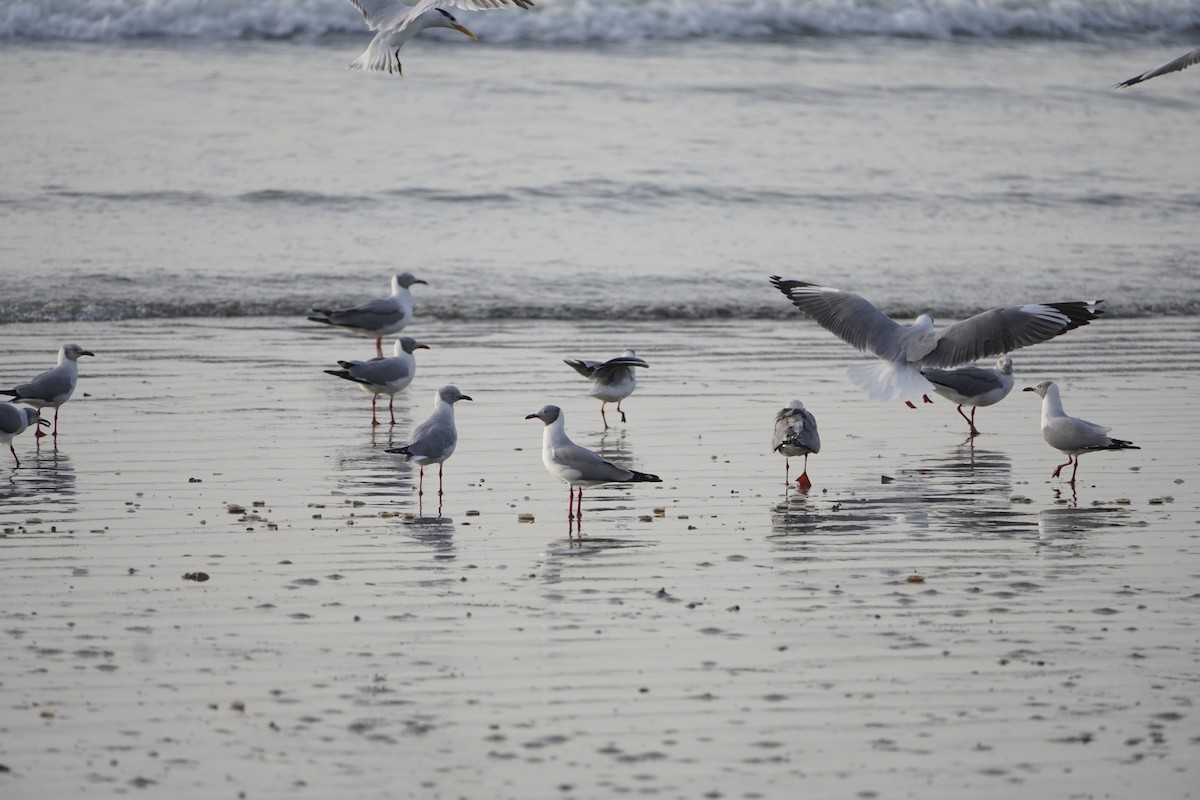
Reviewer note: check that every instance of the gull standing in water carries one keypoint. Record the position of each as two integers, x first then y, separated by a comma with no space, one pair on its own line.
14,421
54,386
380,317
1071,435
384,375
903,351
796,435
397,21
434,440
577,466
972,386
614,379
1183,62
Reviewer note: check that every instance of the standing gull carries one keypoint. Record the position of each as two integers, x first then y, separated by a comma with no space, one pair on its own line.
903,351
577,466
434,440
397,21
1071,435
54,386
384,374
1183,62
380,317
14,421
796,435
972,386
614,379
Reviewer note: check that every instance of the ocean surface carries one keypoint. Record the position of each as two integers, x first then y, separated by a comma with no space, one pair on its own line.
596,160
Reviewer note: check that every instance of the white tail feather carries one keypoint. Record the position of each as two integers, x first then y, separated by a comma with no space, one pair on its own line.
890,381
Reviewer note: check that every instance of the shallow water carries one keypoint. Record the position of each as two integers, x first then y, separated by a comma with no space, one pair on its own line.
703,637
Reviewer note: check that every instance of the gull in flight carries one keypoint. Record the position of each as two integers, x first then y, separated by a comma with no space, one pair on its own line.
383,375
1183,62
380,317
903,351
614,379
397,21
14,421
577,466
54,386
1071,435
434,440
972,386
796,435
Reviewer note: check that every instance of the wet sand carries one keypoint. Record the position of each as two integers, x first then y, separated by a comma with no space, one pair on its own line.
934,620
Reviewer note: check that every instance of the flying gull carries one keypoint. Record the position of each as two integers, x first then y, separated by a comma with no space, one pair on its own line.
1183,62
903,351
1071,435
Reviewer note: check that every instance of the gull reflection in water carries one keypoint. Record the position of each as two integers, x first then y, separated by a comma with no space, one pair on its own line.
45,483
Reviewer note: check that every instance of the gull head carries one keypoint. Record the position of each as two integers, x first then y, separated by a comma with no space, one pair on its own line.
1041,388
447,20
33,418
546,414
451,394
72,351
408,344
1004,365
405,280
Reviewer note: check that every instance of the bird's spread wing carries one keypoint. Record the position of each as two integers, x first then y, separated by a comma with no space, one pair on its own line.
1002,330
617,369
584,368
382,14
421,6
1183,62
847,316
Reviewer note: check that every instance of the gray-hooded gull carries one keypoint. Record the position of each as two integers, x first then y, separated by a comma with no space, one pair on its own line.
384,374
376,318
796,435
972,386
614,379
54,386
904,350
577,466
434,440
14,421
1071,435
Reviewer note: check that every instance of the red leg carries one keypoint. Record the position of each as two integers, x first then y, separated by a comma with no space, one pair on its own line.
787,470
38,433
925,398
1074,470
392,411
570,501
14,452
622,412
602,405
579,505
421,483
439,480
379,347
374,421
1058,469
803,481
909,403
970,420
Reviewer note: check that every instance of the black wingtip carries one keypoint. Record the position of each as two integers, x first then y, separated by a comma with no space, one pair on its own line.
644,477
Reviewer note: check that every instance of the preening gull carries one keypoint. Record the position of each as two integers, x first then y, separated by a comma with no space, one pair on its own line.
903,351
1175,65
1071,435
434,440
972,386
384,374
14,421
397,21
577,466
614,379
377,318
54,386
796,435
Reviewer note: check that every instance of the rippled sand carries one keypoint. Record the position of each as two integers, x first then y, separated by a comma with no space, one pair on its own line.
933,620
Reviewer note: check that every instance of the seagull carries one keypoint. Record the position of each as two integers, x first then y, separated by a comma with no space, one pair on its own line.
384,375
577,466
1183,62
434,440
1071,435
14,421
972,386
379,317
614,379
54,386
903,351
796,435
397,21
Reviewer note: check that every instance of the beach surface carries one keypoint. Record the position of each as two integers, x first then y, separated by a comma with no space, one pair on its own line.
936,618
